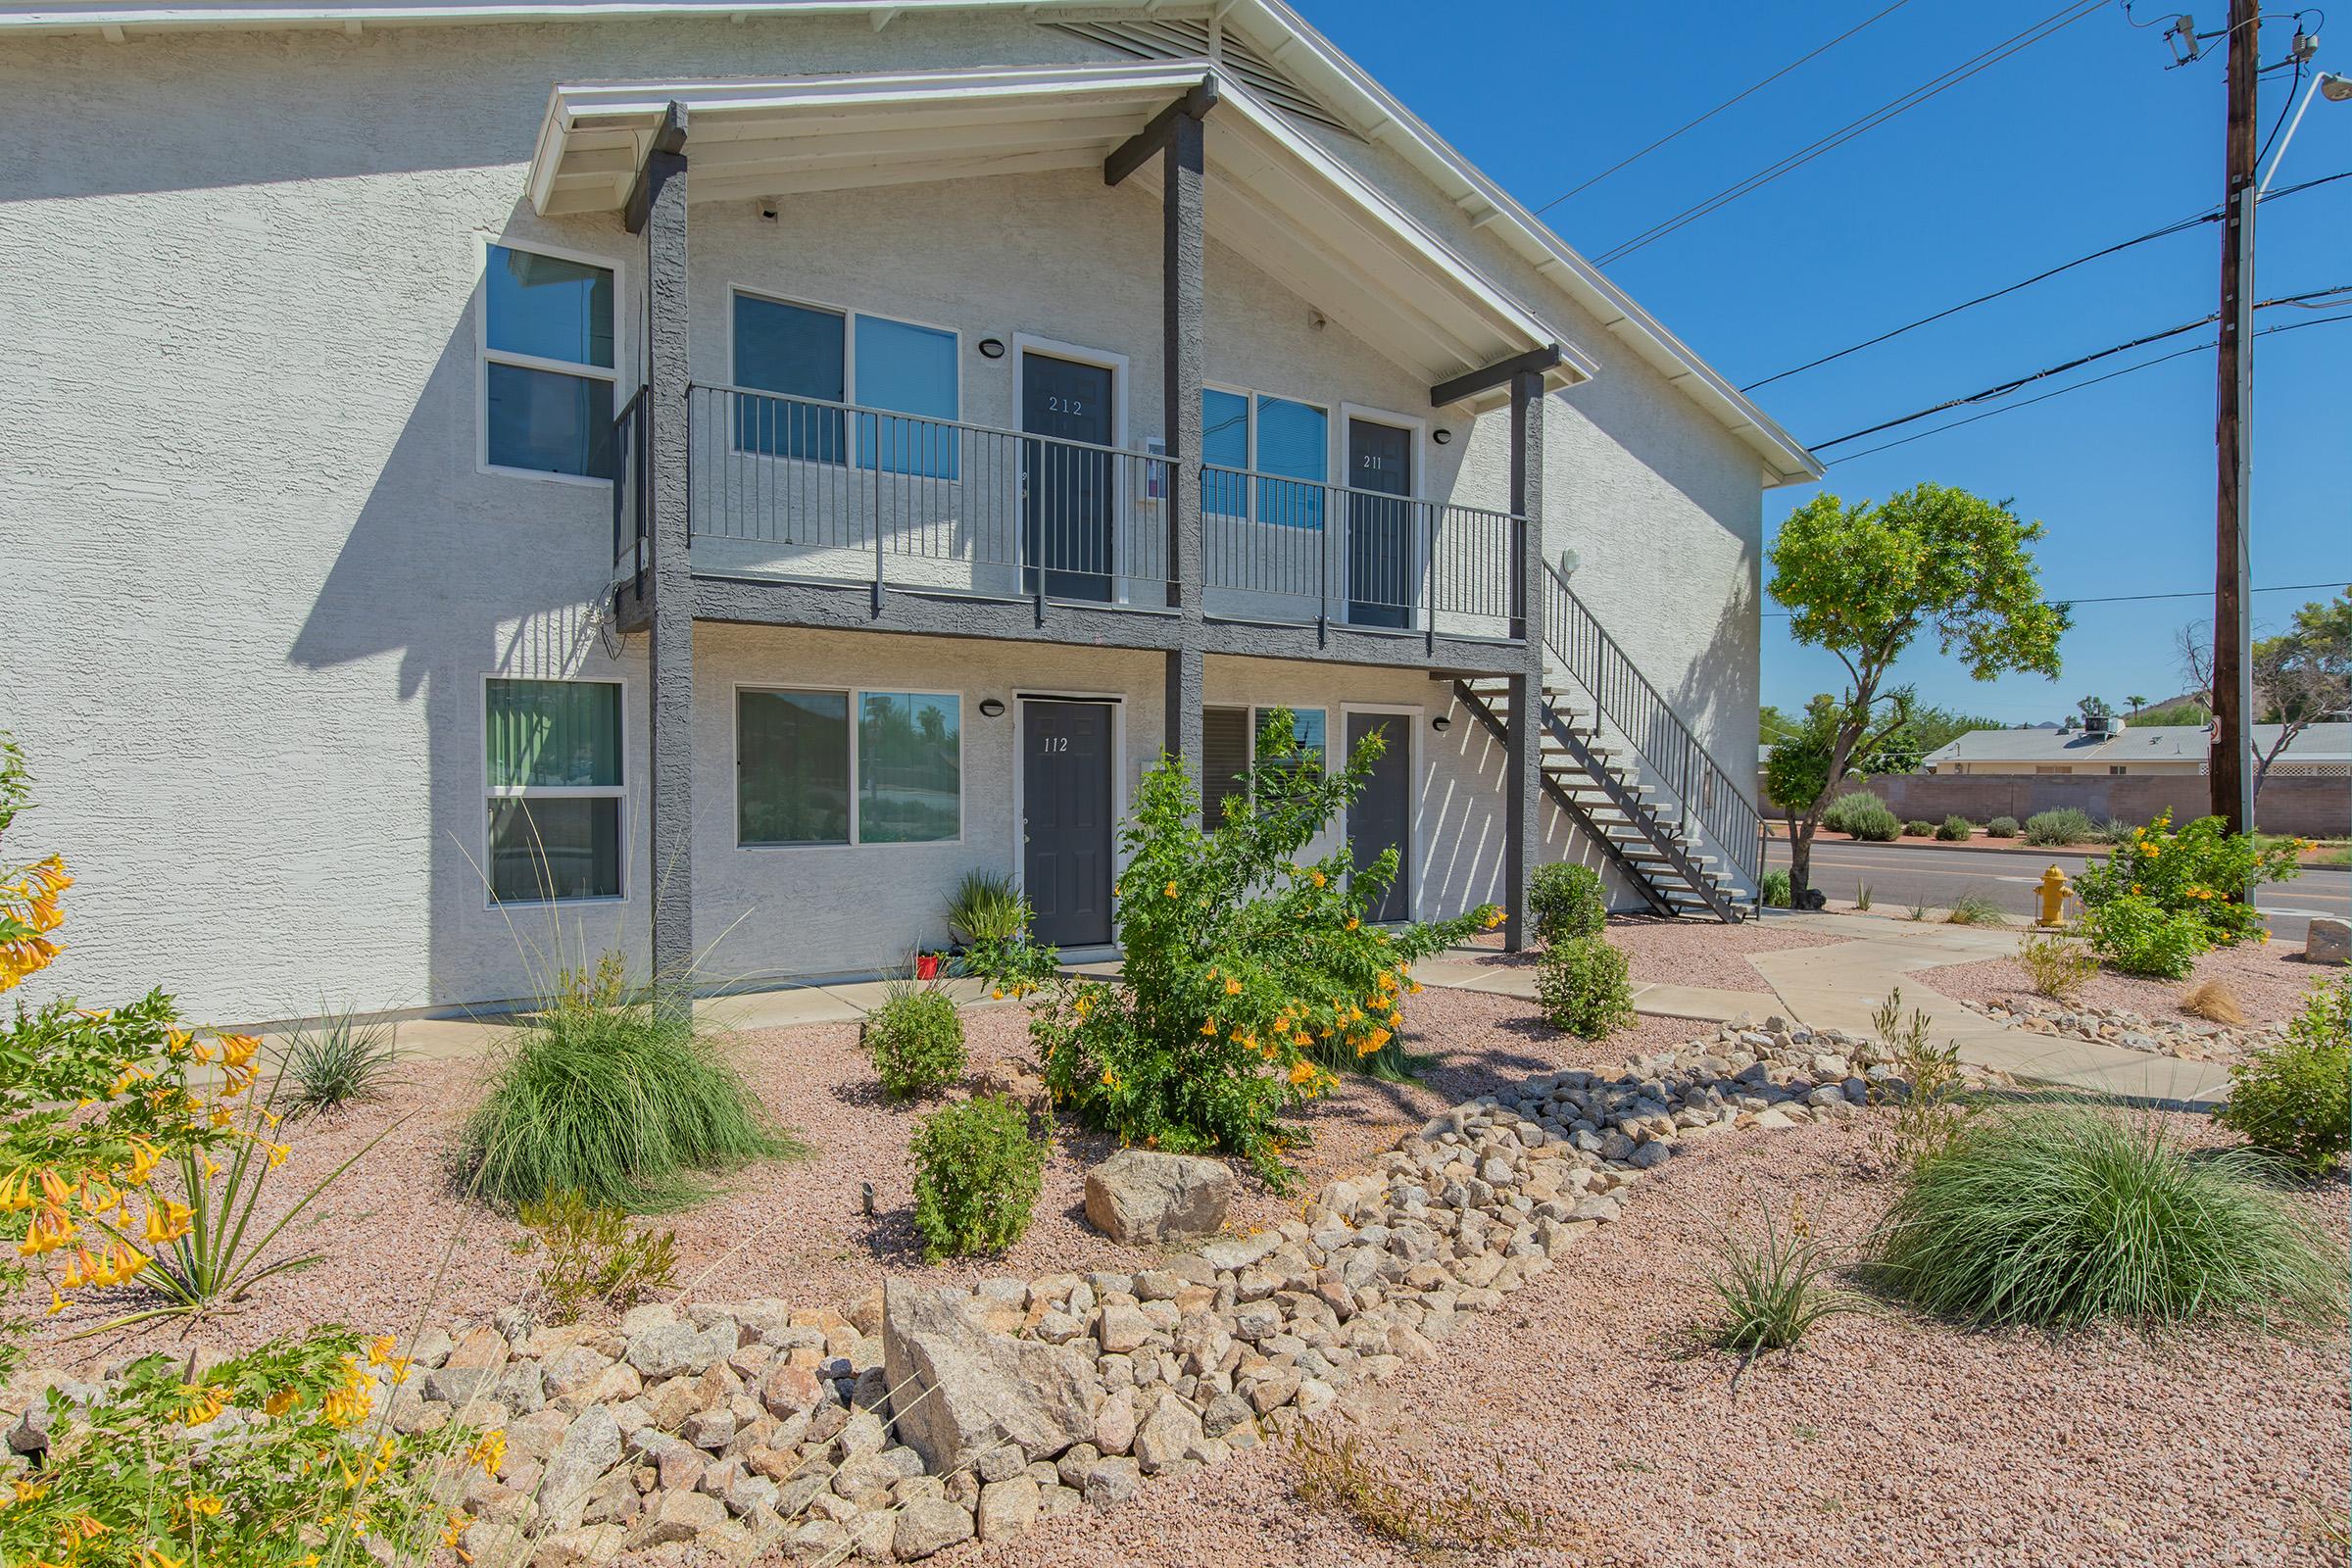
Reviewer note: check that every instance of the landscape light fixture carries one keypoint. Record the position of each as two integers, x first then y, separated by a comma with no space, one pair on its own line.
992,348
992,708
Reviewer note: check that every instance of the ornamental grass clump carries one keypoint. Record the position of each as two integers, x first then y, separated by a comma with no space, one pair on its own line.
977,1173
627,1101
2067,824
271,1458
915,1039
2057,1216
1251,978
338,1063
2295,1099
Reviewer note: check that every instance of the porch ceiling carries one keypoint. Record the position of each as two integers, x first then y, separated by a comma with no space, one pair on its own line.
1273,196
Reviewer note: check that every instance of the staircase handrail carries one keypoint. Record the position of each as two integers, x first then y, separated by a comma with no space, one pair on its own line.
1636,710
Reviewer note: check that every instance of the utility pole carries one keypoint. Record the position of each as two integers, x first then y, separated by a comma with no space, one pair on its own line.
2233,629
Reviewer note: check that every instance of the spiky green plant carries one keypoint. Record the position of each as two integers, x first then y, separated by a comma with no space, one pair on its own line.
338,1063
1770,1292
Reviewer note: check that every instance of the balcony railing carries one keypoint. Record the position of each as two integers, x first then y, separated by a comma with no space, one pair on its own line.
810,490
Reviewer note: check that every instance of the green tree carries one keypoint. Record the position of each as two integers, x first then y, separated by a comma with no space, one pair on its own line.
1864,581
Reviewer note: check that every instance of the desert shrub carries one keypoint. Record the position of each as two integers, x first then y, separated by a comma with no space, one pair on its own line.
1250,979
604,1091
1583,988
2062,1214
2202,871
2294,1099
977,1174
1930,1107
93,1101
985,908
1861,895
915,1039
2214,1002
2115,830
1918,827
1863,815
1776,889
2065,825
1956,830
336,1063
2057,966
1769,1294
593,1259
1975,908
2001,827
2136,934
1567,902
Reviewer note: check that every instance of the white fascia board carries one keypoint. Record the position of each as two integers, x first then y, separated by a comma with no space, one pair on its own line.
263,14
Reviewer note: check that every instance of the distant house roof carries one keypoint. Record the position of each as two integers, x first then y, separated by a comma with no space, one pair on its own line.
2152,743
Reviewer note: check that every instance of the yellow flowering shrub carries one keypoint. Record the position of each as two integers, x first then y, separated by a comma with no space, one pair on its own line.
2201,870
1250,979
277,1456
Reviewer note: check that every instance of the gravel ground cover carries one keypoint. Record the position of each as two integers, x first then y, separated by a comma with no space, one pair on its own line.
402,1248
1683,953
1582,1409
2269,981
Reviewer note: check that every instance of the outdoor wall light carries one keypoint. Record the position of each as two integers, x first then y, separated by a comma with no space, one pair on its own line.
992,348
1442,724
1441,437
992,708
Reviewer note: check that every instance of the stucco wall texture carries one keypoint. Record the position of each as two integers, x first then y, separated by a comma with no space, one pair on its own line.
265,577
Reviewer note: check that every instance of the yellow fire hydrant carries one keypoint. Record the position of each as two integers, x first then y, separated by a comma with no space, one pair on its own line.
2053,899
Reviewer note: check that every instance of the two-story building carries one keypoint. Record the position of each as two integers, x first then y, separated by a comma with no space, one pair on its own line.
489,483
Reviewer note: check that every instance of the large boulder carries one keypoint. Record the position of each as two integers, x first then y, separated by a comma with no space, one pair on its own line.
2329,940
1140,1195
959,1388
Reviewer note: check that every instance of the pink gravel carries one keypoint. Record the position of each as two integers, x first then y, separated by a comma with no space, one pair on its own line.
1889,1437
2270,982
402,1250
1683,953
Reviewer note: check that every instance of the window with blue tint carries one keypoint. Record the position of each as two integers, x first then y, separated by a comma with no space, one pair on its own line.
910,768
1294,440
907,370
800,353
546,373
1224,444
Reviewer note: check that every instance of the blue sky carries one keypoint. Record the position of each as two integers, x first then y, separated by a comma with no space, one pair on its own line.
2079,141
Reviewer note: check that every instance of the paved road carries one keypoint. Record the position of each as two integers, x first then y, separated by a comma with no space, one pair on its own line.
1900,875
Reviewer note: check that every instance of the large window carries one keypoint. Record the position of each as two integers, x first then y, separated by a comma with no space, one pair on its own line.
815,357
798,752
552,759
1229,748
547,364
1287,442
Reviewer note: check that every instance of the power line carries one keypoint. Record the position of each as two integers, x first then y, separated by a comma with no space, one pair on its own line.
2209,216
2063,18
2011,408
2003,388
1721,107
2133,599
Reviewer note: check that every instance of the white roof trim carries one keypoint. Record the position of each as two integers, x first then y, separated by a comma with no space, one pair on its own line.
1310,221
1270,25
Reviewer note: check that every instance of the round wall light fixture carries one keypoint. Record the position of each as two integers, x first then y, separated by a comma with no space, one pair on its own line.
1441,437
992,348
1442,724
992,708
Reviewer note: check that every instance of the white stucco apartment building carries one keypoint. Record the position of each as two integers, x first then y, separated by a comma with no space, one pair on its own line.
488,483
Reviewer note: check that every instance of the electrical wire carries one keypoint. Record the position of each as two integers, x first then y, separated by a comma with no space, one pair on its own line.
2063,17
2077,386
2292,88
1721,107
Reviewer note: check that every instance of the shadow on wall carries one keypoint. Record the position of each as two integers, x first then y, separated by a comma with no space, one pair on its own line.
1465,766
464,576
1717,693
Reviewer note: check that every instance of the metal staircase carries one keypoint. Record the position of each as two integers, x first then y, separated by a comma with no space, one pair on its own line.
1620,762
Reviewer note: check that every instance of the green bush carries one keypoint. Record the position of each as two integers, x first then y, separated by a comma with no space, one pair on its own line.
2202,872
2001,827
2058,1215
1918,827
2295,1099
977,1174
606,1092
1583,987
1567,902
1863,815
2066,825
2115,830
1777,890
1251,978
985,908
593,1257
916,1040
1956,830
339,1063
2136,934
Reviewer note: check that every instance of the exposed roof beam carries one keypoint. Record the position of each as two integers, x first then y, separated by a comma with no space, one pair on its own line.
1464,387
1137,149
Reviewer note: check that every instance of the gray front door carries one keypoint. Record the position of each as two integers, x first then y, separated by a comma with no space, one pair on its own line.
1382,817
1380,532
1069,490
1066,820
